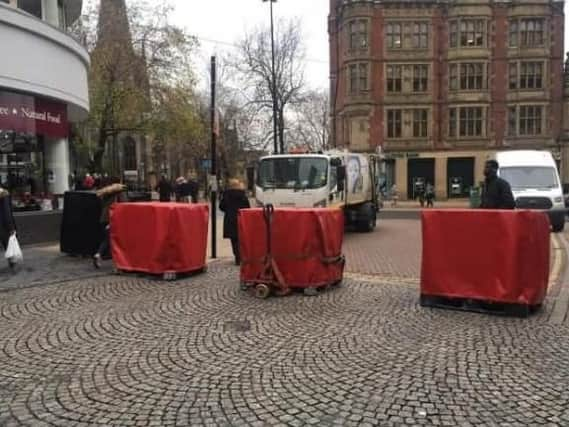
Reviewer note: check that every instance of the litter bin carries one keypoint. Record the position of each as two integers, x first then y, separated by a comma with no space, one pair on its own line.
475,197
81,232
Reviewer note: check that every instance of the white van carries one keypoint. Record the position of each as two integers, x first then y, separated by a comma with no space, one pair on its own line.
535,182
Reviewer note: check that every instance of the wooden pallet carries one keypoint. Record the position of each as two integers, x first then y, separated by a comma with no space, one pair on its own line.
479,306
166,276
266,291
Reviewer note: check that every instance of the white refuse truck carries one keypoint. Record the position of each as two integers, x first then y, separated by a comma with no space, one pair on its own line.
535,182
330,179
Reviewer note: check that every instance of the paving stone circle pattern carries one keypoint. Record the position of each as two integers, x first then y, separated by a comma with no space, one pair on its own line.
125,351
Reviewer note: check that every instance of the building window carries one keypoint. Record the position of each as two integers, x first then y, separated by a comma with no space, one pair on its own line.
531,32
420,35
420,78
531,75
452,122
420,123
453,77
129,147
394,36
62,14
358,34
467,33
513,33
526,75
33,7
513,75
512,121
394,73
472,76
469,122
530,119
394,123
363,77
453,39
358,77
467,76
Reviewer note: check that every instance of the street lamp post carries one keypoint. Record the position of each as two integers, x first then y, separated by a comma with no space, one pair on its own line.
273,85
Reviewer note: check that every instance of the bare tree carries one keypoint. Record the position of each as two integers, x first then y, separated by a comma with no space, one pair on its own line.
253,64
311,121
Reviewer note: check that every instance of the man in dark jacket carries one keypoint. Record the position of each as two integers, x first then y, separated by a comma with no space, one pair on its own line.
7,224
233,199
192,189
496,192
164,189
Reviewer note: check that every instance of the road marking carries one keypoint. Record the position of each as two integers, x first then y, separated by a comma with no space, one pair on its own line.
558,259
561,303
382,279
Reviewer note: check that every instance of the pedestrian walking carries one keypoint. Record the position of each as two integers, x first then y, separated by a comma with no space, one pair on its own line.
233,200
181,190
496,192
7,223
108,195
394,195
430,195
192,188
164,189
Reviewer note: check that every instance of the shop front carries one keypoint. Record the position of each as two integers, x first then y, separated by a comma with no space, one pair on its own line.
34,153
453,174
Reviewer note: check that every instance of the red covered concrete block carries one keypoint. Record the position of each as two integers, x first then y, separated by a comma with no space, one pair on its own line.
159,237
306,245
497,256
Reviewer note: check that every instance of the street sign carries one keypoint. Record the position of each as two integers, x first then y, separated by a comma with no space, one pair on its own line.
205,164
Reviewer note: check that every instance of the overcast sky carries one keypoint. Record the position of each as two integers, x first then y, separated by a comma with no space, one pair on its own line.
225,21
218,23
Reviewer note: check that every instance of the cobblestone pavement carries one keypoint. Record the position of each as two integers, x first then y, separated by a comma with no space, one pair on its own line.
123,350
393,249
128,351
45,264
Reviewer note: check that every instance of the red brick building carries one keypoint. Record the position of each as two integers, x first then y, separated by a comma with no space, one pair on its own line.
441,85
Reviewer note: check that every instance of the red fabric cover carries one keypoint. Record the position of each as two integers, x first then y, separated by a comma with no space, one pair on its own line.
159,237
500,256
300,239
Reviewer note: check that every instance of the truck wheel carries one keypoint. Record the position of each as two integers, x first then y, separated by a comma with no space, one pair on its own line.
369,224
558,226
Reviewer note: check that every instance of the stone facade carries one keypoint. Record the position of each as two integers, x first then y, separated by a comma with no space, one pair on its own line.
441,85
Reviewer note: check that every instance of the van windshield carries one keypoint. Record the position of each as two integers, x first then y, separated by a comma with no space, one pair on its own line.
293,173
524,177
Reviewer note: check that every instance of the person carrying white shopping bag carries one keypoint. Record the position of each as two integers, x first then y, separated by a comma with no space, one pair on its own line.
8,230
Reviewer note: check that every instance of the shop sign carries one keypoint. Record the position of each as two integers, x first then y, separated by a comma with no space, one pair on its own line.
32,115
401,155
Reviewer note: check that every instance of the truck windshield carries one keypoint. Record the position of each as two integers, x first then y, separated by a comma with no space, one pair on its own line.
524,177
293,172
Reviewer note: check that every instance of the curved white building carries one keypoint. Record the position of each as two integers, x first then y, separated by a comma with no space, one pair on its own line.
43,89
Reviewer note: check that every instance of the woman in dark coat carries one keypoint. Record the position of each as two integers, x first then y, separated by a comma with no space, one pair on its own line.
7,224
233,199
110,194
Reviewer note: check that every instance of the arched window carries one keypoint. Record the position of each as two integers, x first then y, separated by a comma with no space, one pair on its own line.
129,154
